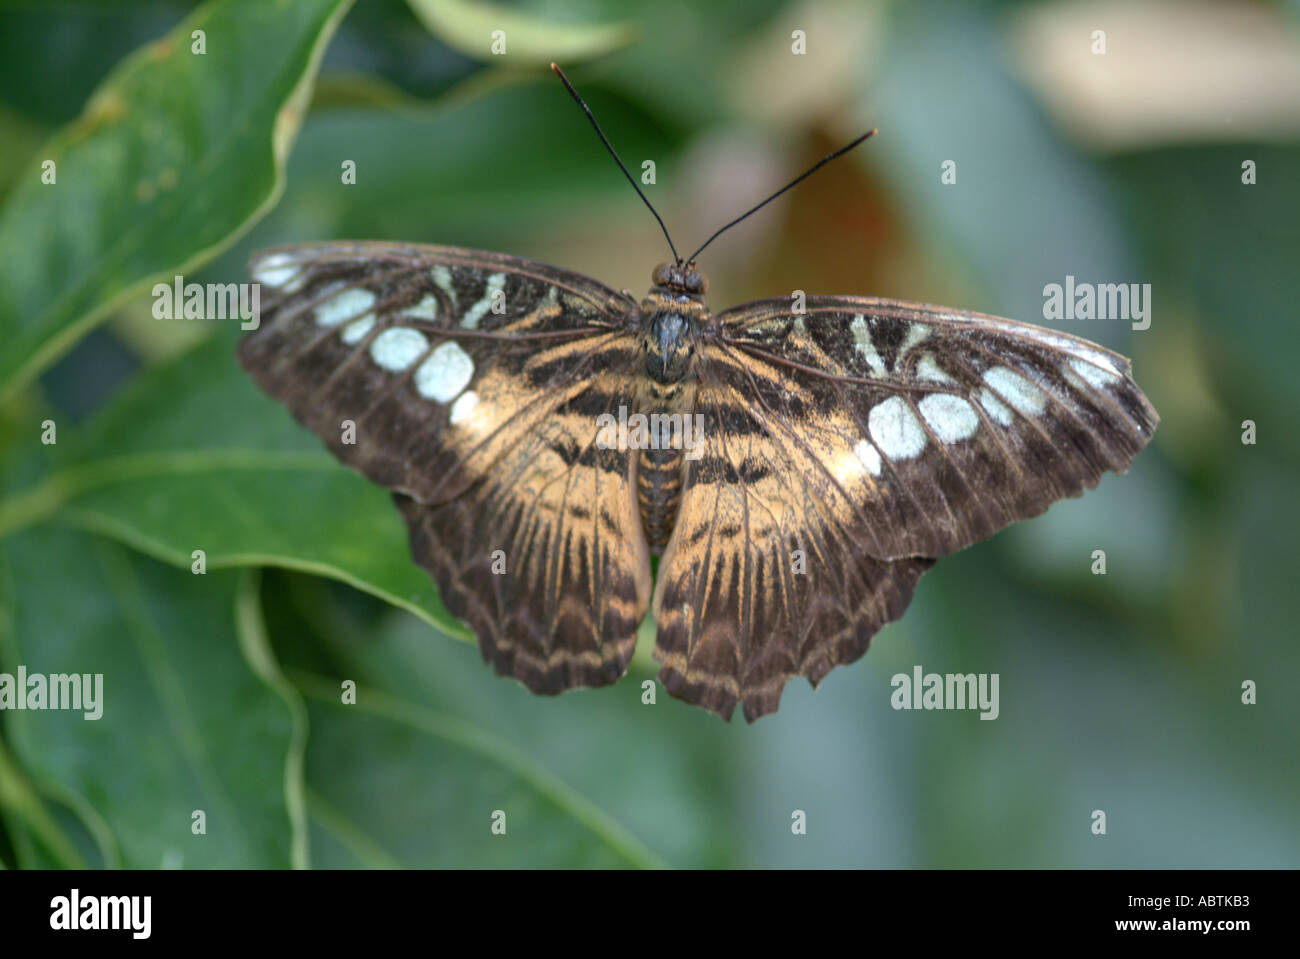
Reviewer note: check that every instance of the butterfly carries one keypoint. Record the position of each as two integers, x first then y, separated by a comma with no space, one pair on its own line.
793,470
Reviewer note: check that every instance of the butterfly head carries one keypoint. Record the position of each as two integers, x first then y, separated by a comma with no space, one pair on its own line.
680,278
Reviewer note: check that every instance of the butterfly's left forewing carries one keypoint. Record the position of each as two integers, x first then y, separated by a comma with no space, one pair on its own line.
469,383
847,447
936,427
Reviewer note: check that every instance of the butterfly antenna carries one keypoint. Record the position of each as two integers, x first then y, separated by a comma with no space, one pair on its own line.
793,183
605,140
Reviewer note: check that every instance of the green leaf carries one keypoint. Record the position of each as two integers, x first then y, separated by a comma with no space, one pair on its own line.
175,156
471,28
38,841
500,162
188,723
389,773
669,799
191,456
386,777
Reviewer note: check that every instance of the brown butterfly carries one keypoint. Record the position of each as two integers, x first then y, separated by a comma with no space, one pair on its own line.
796,471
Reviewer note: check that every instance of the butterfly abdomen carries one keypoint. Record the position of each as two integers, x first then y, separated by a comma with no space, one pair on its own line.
658,490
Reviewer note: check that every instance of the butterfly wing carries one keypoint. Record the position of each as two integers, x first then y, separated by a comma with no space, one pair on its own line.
469,384
846,448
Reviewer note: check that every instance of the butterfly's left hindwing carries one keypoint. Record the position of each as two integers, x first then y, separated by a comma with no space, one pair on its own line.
469,383
845,449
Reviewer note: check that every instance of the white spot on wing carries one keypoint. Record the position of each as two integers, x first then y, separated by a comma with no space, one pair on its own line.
1075,348
274,260
1097,378
464,406
426,309
895,429
347,305
356,331
276,270
994,407
950,417
275,276
928,369
445,373
495,284
441,276
916,333
1016,390
863,344
869,455
398,348
1098,359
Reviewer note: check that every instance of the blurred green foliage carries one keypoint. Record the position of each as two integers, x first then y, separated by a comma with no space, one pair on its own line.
1119,692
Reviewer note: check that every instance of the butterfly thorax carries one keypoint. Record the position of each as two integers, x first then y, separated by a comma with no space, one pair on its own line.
672,316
